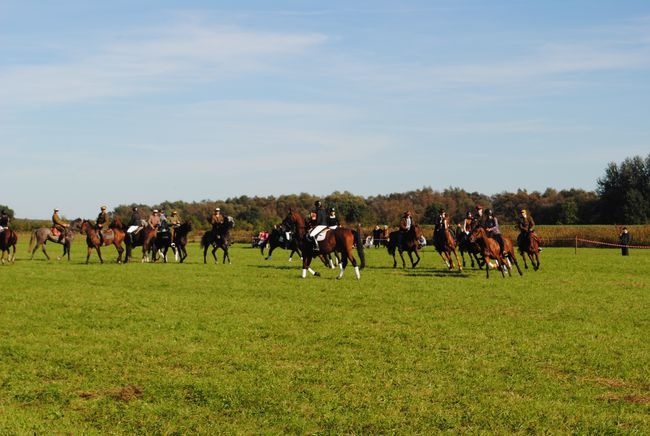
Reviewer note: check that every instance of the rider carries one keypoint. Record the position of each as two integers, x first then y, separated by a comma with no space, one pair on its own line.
217,221
467,223
441,226
4,221
163,226
175,222
405,224
479,218
317,222
526,227
102,218
332,219
59,225
493,231
135,224
154,220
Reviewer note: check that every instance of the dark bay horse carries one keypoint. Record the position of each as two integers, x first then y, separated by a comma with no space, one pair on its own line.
218,238
144,238
278,238
41,235
491,250
338,240
472,249
180,241
113,236
529,246
445,245
161,244
8,241
410,244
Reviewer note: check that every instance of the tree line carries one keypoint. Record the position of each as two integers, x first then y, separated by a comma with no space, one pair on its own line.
622,197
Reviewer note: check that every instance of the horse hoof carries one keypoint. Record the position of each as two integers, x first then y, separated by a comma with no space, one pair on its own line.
316,274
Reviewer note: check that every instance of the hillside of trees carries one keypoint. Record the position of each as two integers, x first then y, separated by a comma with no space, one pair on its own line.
622,197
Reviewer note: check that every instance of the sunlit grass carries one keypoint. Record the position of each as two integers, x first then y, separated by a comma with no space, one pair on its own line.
251,347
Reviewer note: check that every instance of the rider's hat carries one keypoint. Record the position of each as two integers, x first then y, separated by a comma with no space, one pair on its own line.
173,212
469,213
103,207
523,211
317,203
155,211
332,210
135,208
56,209
478,206
216,209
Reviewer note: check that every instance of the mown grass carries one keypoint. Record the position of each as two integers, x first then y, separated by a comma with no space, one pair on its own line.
252,348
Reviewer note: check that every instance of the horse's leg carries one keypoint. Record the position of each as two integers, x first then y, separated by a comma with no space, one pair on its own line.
214,255
417,254
460,267
90,249
443,259
120,250
99,254
44,251
226,255
523,256
401,255
306,261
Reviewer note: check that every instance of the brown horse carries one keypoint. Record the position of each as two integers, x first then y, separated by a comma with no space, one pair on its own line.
145,237
338,240
529,245
410,244
491,250
8,241
113,236
445,245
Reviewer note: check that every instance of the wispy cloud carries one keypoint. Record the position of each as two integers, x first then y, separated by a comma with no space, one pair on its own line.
147,61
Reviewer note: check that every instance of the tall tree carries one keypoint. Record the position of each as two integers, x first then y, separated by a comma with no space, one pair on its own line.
624,191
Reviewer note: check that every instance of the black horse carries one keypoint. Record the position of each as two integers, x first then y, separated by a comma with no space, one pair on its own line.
180,241
471,248
281,237
218,237
162,243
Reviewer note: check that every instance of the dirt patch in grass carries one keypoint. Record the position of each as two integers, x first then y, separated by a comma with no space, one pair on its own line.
635,399
126,393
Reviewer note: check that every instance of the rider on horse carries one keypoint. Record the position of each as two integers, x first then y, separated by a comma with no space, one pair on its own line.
58,225
405,224
4,221
493,231
440,229
332,219
102,218
317,222
154,220
217,221
526,227
175,222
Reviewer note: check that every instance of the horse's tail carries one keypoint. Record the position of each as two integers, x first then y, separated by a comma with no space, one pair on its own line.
204,239
359,242
31,241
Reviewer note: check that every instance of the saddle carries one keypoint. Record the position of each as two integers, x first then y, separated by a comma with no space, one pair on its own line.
55,231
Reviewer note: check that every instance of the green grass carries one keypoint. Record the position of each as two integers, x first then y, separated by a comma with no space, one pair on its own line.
253,348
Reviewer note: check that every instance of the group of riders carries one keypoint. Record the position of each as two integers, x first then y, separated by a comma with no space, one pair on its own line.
487,220
157,221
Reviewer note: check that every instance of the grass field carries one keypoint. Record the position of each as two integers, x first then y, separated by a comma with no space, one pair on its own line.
252,348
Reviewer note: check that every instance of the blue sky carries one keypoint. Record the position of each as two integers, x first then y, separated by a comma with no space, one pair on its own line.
145,101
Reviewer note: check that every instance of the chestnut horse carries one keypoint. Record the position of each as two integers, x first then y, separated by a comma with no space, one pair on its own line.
491,250
113,236
8,241
410,244
338,240
445,245
529,245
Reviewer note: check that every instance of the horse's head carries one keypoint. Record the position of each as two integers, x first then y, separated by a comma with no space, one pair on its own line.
478,233
76,224
116,224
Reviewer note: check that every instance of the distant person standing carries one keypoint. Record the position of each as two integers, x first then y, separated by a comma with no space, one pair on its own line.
625,238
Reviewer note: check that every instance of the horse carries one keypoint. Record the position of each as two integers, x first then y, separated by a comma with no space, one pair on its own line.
529,245
410,244
218,238
161,244
445,245
8,241
41,235
491,250
180,241
145,237
339,240
113,236
472,249
278,238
